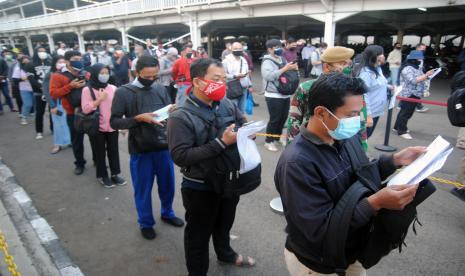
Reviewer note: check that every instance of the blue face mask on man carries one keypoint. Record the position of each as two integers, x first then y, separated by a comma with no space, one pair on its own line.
278,51
346,128
77,65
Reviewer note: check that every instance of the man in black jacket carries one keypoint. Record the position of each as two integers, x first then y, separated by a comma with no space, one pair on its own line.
198,132
149,155
4,74
315,171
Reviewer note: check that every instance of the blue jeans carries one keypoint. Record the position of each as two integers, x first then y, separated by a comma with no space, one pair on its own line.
395,76
28,102
6,94
144,167
61,135
181,95
241,101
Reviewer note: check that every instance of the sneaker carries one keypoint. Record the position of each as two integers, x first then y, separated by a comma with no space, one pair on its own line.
117,180
271,147
39,136
148,233
78,170
395,130
406,136
55,149
106,182
422,109
175,221
23,121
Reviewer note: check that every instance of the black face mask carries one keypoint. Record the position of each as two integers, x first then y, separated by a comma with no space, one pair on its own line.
146,82
188,55
238,53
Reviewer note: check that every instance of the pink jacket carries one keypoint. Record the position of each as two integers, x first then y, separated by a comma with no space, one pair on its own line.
87,105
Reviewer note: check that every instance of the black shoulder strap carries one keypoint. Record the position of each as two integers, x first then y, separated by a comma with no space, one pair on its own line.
338,227
92,94
277,64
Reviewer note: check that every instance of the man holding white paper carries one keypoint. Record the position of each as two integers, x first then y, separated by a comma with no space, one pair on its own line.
317,169
133,108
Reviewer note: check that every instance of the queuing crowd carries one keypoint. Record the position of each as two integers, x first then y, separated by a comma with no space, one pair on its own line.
327,117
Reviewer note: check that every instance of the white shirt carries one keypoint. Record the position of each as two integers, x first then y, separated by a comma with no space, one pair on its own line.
234,66
317,69
307,52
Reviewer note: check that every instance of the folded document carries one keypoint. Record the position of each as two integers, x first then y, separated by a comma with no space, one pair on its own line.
425,165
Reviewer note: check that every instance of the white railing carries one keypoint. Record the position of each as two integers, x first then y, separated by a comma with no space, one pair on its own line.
100,11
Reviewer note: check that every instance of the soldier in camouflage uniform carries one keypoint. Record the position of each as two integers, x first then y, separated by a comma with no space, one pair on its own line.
334,59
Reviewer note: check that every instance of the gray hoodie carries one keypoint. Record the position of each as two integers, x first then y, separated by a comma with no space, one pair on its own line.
270,74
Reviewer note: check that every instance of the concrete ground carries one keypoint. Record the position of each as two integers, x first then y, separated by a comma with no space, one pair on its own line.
98,226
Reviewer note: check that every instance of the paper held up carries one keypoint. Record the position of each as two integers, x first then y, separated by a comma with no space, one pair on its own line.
395,93
425,165
248,152
162,113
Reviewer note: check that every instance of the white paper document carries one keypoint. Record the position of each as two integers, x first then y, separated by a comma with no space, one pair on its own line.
250,157
395,93
162,113
425,165
436,72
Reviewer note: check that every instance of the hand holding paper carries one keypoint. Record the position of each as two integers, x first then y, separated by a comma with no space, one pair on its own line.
428,163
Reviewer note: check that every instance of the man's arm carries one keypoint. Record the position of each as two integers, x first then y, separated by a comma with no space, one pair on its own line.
118,110
175,70
295,118
59,86
181,139
308,204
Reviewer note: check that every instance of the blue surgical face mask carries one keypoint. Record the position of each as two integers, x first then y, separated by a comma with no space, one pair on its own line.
77,65
346,128
278,51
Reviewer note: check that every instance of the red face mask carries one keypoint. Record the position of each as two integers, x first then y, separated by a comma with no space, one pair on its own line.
214,90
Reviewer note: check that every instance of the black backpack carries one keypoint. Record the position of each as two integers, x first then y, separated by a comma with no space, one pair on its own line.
224,174
385,232
287,81
456,108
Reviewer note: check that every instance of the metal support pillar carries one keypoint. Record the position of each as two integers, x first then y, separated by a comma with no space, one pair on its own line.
400,36
21,10
29,45
81,41
209,45
437,41
44,7
124,37
195,31
51,43
330,29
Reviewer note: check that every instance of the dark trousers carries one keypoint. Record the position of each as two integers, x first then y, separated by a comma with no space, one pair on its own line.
370,130
172,92
40,111
207,214
16,95
307,67
106,144
278,109
6,94
406,111
77,140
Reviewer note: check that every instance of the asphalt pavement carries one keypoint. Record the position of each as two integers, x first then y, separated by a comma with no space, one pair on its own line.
98,226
